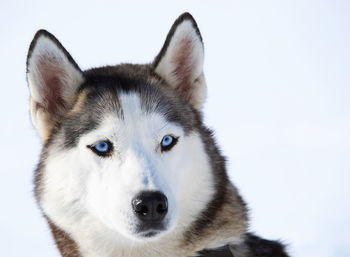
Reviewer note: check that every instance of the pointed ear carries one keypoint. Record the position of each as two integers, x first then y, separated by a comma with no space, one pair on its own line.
53,79
180,62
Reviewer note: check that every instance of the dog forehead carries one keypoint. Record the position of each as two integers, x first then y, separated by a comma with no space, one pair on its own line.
133,119
126,99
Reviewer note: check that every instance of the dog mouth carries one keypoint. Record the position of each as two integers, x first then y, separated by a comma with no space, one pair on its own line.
150,230
149,233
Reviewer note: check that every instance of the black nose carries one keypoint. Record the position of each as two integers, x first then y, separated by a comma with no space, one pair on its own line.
150,206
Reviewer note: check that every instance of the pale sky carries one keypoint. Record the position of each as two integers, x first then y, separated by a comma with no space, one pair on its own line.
278,75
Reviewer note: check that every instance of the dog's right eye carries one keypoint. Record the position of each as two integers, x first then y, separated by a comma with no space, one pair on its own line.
103,148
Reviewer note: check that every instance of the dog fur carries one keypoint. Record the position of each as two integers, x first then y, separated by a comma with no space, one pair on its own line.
86,198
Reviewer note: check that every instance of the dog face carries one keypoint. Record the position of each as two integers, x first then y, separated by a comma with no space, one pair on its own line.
123,147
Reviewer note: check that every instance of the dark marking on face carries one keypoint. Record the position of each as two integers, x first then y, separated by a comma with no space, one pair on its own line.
103,86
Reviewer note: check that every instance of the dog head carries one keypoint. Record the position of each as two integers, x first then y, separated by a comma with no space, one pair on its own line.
125,149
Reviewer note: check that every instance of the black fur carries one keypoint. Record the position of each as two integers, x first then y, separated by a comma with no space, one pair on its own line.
259,247
220,252
253,246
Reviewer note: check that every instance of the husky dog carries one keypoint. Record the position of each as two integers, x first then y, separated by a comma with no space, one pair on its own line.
128,168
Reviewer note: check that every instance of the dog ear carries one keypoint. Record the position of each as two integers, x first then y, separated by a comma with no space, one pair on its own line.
53,79
180,62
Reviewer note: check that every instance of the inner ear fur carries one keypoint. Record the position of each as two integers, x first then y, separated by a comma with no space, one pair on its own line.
180,62
53,77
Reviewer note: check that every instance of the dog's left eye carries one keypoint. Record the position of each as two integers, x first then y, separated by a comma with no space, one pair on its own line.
103,148
168,142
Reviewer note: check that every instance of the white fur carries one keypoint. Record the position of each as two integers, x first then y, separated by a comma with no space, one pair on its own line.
47,51
170,62
90,197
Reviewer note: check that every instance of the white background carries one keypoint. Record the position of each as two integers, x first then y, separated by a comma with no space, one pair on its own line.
278,74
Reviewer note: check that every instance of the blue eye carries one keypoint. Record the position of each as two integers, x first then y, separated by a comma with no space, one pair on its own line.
103,148
168,142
